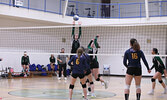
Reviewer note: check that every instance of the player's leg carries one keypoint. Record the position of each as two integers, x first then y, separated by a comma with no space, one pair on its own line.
162,83
138,88
153,80
60,71
83,82
128,80
91,84
71,87
64,71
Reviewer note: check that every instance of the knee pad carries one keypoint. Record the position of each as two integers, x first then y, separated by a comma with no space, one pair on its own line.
137,87
91,83
71,86
152,80
89,89
83,85
160,81
98,79
127,87
98,75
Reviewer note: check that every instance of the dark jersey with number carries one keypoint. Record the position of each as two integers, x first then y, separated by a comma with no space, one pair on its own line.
133,57
79,65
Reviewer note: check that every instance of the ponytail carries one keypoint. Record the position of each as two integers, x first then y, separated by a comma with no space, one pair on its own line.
135,45
79,52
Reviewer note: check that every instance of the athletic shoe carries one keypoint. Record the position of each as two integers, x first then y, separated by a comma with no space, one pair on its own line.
82,94
106,84
25,75
65,78
59,78
93,95
102,83
151,92
69,99
165,91
89,93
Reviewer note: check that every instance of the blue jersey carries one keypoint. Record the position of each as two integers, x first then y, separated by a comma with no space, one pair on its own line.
87,60
79,65
133,57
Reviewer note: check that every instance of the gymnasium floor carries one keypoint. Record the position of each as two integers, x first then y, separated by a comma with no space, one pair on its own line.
49,88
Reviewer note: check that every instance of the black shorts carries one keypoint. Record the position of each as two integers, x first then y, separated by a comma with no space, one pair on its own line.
135,71
161,71
88,72
94,64
24,63
81,76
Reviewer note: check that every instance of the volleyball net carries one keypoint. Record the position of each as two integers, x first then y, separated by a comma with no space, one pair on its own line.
40,42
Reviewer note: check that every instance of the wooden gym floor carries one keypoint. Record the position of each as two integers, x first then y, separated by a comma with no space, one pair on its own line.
49,88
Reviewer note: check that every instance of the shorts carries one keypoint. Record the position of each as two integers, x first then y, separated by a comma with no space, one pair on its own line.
135,71
81,76
94,64
88,72
161,71
24,63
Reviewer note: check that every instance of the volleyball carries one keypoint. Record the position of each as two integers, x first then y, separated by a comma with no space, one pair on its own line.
76,18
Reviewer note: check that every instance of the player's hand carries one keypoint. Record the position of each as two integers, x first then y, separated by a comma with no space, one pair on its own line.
79,23
60,61
149,71
73,22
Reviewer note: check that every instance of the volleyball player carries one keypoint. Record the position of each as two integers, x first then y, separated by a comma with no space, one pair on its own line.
52,62
88,75
94,64
160,69
79,66
75,39
134,70
25,62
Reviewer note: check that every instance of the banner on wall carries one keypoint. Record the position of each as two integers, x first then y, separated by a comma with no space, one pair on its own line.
19,2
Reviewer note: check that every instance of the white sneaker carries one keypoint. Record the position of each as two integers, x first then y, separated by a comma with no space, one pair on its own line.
93,95
88,93
59,78
65,78
106,84
165,91
151,92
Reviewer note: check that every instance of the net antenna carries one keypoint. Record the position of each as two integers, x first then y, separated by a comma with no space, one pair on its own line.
65,8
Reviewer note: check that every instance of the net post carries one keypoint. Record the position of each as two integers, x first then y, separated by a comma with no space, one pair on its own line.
65,8
147,9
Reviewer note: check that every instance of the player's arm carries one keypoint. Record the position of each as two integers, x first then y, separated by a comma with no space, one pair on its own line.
73,32
22,61
95,42
125,60
28,60
80,32
58,58
71,60
89,45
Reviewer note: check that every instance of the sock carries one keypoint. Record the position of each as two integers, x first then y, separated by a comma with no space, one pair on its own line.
138,96
126,96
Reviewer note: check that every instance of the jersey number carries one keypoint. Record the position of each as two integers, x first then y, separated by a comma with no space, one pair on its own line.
77,61
134,56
